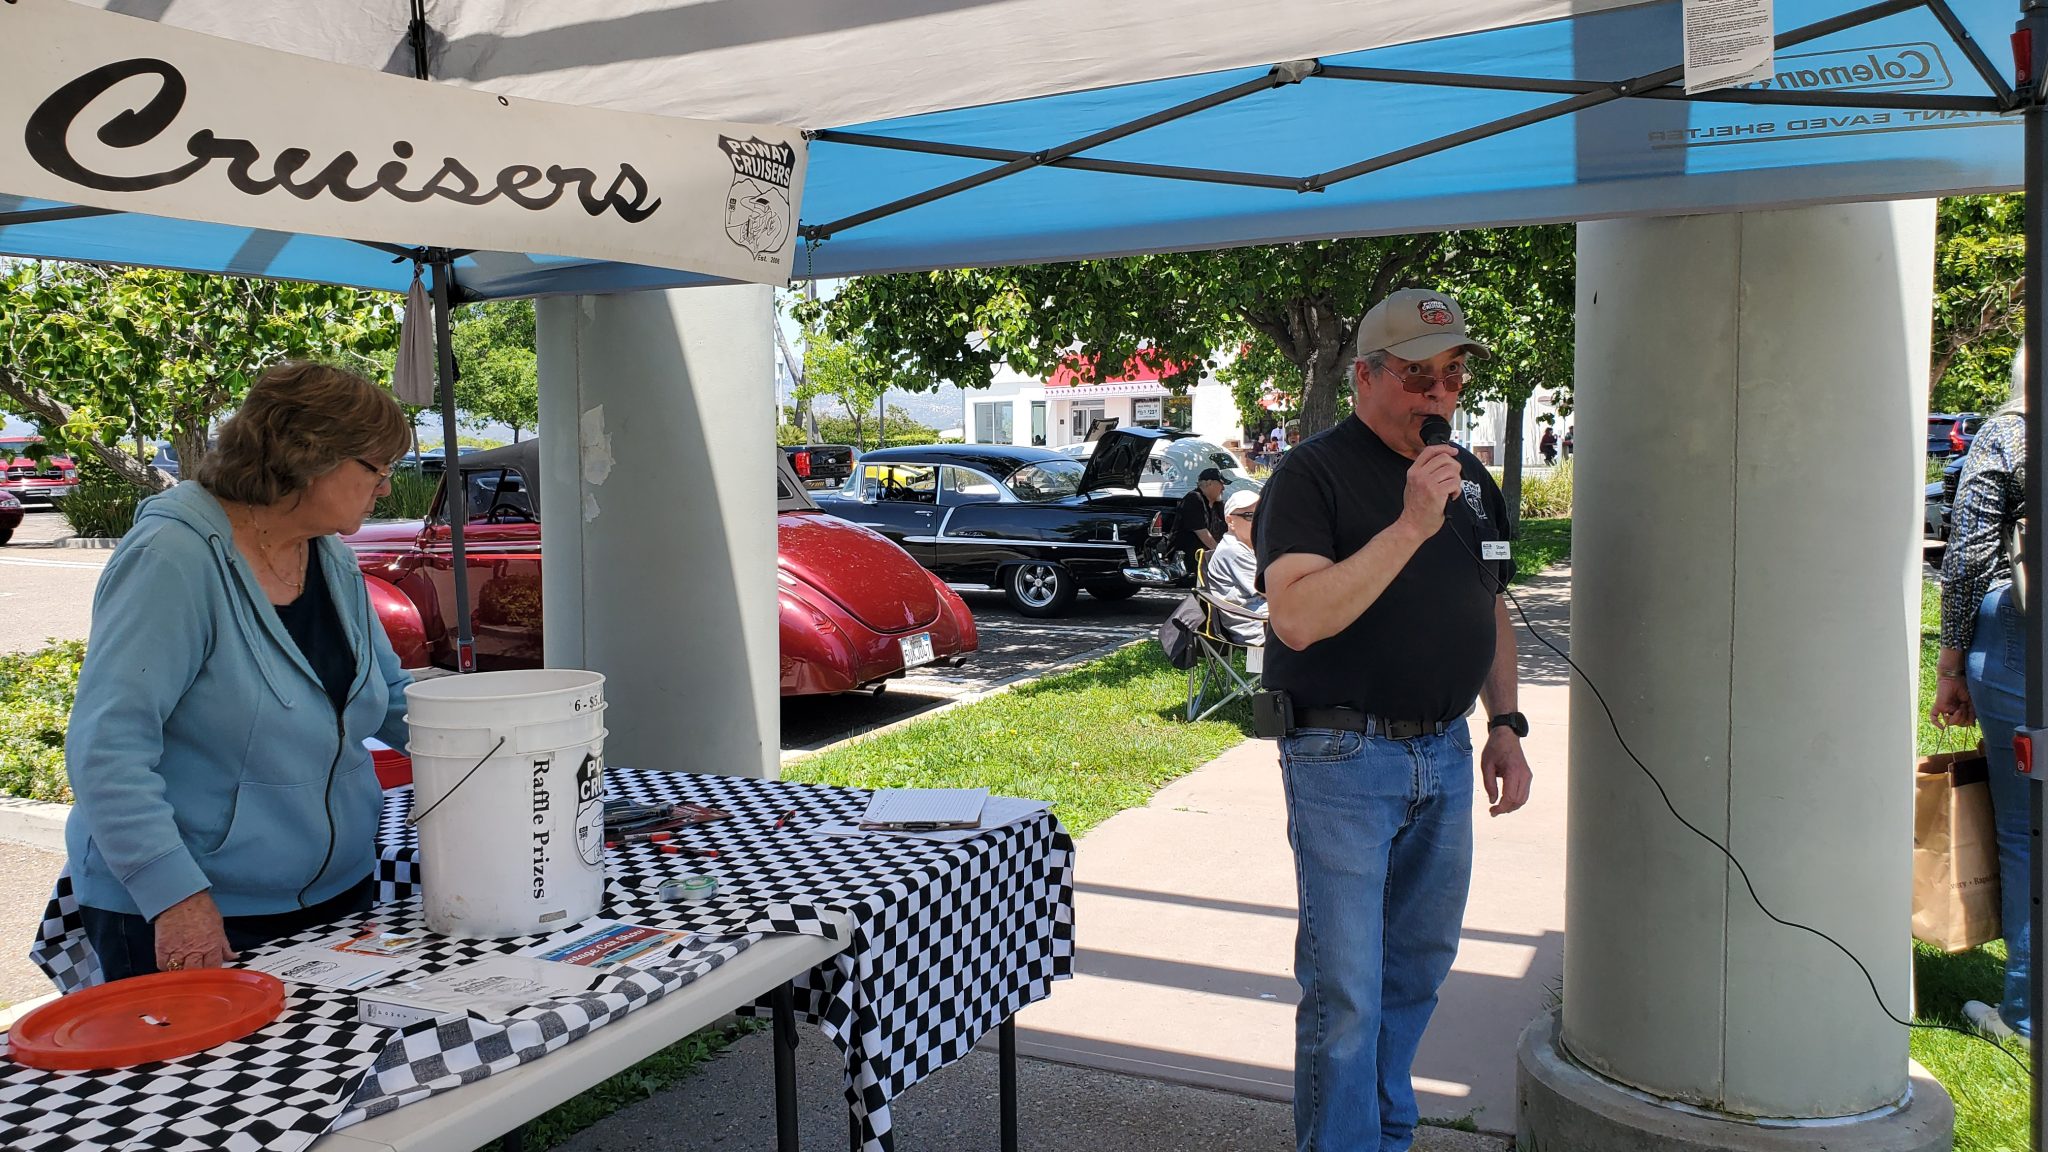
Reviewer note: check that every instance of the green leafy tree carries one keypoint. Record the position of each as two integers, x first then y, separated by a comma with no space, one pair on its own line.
1171,311
498,365
99,357
901,428
1979,272
1518,288
843,371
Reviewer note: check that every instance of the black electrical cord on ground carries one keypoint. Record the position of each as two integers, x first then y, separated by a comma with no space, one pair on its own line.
1502,589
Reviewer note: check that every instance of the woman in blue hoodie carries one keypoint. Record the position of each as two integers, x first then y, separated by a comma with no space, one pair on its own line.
224,796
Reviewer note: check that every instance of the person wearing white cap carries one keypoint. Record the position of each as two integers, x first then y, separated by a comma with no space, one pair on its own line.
1382,559
1233,568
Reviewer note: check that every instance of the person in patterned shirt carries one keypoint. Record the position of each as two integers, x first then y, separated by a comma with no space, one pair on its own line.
1982,673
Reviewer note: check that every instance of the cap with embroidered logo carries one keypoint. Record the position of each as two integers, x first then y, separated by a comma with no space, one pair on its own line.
1416,324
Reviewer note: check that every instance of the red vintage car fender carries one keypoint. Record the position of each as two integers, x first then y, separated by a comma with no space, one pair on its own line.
401,620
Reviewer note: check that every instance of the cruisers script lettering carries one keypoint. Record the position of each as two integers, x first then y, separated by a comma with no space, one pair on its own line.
529,186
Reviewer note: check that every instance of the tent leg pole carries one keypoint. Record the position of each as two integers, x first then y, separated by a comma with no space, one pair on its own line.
2034,20
455,502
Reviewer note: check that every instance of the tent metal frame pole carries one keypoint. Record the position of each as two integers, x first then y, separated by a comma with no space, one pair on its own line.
1581,95
2034,117
1279,75
1821,99
1632,87
1552,111
454,495
1082,163
1986,70
49,215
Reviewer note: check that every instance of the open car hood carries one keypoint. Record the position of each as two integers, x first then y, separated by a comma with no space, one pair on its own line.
1119,457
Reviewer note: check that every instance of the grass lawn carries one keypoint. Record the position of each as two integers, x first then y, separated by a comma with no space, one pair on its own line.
643,1080
1094,741
1989,1091
1542,543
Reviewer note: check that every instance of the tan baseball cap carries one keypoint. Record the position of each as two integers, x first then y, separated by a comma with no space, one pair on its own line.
1415,324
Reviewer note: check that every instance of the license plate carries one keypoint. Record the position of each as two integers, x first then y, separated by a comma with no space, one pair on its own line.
916,649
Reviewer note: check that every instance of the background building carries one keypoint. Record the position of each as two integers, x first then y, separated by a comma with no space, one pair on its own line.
1020,409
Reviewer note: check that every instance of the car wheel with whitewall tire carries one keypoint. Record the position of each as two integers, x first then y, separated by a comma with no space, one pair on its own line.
1039,588
1112,591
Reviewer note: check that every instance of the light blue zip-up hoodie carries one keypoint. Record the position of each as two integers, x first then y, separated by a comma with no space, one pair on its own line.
203,751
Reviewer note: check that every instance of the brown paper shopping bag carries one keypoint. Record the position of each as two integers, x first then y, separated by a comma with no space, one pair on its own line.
1955,852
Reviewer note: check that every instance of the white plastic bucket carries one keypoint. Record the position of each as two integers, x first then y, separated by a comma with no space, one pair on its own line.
508,797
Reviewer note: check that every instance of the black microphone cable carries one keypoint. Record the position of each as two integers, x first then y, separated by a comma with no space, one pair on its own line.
1501,588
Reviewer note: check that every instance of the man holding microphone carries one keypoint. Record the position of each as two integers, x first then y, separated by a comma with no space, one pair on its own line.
1382,552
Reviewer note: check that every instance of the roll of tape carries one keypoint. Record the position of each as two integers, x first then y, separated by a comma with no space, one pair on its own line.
688,889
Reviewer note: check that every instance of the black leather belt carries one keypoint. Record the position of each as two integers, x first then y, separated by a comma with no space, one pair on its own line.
1352,720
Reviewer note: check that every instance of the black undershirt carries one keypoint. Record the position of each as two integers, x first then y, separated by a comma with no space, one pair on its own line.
316,628
1423,649
1196,511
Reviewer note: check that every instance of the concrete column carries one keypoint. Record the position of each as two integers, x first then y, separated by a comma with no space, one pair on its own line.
657,420
1746,592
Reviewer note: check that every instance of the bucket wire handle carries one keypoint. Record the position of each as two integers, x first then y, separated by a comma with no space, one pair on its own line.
416,817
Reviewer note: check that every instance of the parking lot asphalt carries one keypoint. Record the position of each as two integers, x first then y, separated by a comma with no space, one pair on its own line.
46,594
1013,647
45,588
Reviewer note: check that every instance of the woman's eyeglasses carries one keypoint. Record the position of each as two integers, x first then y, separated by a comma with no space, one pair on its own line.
383,475
1417,378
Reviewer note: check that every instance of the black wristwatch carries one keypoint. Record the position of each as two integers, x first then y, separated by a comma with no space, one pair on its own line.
1512,721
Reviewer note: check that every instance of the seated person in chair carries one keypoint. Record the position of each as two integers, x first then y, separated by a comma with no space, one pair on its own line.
1232,568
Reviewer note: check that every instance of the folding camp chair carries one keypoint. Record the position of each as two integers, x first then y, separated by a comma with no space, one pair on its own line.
1214,681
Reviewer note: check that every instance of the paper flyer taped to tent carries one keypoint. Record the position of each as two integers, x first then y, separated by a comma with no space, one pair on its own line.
1727,43
109,111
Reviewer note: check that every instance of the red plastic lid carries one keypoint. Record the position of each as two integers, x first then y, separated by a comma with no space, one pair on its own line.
157,1017
394,768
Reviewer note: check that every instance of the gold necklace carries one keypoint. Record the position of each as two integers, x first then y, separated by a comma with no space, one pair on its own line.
263,553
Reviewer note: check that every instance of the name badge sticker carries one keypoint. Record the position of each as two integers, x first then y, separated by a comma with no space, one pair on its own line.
1493,550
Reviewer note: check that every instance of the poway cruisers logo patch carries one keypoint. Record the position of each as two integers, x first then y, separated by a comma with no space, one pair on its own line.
757,209
1434,311
1475,499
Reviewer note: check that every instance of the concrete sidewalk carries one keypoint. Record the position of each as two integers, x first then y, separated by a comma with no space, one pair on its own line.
1185,913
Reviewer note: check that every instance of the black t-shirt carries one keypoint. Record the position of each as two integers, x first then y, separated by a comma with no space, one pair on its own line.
1195,512
316,629
1422,650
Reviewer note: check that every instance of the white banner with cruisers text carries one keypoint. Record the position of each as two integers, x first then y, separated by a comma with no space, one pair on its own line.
113,112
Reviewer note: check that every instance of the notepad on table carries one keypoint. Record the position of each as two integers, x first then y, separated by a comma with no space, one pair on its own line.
925,809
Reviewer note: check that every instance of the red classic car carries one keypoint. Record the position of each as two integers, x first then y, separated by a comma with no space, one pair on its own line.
856,609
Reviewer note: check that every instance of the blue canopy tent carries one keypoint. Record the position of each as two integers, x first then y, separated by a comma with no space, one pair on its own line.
1571,118
963,132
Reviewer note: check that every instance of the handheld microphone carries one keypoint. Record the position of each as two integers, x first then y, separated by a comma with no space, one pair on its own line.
1437,430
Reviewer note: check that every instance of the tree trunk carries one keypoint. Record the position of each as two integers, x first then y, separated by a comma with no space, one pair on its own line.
52,412
192,451
1511,466
1323,376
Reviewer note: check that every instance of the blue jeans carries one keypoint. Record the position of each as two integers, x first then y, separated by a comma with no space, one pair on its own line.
1382,836
1998,688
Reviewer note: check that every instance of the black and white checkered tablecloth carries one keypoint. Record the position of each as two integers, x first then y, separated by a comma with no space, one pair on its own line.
948,939
317,1067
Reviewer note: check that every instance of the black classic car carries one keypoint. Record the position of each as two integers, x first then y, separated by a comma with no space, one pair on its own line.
1038,524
